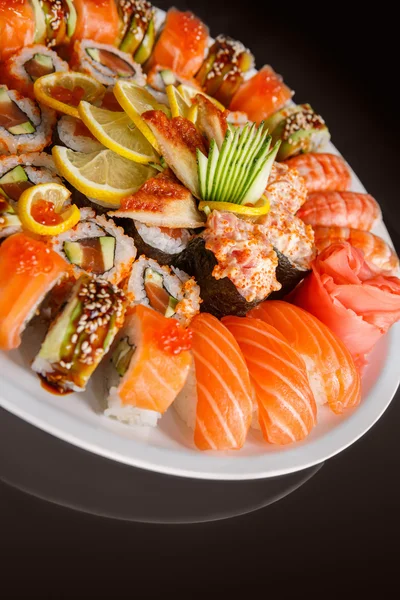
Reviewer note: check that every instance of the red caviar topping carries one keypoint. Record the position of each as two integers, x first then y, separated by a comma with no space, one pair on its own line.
43,212
26,255
174,338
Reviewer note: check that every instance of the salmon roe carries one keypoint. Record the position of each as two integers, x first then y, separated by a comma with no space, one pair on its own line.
26,255
174,338
43,211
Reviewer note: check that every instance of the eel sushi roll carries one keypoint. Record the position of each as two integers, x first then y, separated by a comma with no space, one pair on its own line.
25,125
73,133
81,334
163,244
234,263
97,246
17,173
22,69
105,63
149,365
169,291
28,271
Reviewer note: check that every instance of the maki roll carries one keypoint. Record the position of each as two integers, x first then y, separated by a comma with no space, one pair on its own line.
59,20
299,128
161,243
17,173
96,20
74,134
137,28
28,64
222,72
149,365
234,264
105,63
28,271
97,246
81,334
170,292
9,220
25,125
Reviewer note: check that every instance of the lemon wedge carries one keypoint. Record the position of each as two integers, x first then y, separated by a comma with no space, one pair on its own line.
44,209
102,175
188,93
135,100
116,131
63,91
179,106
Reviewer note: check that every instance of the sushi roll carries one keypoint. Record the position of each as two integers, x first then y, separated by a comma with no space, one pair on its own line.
97,246
182,44
9,220
171,292
28,64
81,334
105,63
221,74
96,20
138,29
261,95
25,125
59,20
217,400
28,271
234,264
17,173
74,134
149,365
163,244
17,26
300,130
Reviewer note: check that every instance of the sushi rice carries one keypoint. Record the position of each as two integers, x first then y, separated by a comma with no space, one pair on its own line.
160,239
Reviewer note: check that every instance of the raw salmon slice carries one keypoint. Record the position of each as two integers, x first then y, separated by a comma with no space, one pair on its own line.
96,20
286,406
331,371
17,26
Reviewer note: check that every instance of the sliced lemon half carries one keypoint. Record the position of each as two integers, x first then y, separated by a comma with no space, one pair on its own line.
189,93
63,91
179,106
136,100
44,209
102,175
116,131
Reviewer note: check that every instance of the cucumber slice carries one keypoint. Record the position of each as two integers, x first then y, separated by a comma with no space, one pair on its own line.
260,180
230,168
224,153
212,162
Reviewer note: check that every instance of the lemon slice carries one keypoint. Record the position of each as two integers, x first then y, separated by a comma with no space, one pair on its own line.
102,175
249,211
188,93
116,131
179,106
63,91
135,100
44,209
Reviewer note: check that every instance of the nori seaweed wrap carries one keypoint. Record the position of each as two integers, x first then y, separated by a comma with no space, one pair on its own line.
288,274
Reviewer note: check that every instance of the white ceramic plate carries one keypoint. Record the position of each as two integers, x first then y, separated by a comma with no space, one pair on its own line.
168,449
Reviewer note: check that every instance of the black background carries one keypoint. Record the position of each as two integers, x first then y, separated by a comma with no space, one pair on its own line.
345,521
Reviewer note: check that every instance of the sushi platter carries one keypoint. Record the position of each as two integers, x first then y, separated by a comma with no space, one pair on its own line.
193,281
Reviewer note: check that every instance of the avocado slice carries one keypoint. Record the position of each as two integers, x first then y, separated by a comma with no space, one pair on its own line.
39,65
133,37
171,309
40,22
94,54
168,77
75,252
56,345
72,18
146,46
14,182
10,112
107,245
16,175
22,129
122,355
162,298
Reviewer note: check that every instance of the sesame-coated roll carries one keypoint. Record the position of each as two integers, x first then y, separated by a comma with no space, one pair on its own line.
81,334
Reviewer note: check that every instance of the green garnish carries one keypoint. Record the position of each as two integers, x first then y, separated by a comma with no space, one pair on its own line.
239,171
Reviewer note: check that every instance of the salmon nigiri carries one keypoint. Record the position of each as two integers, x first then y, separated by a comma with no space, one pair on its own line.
97,20
326,172
286,406
379,256
150,364
17,26
182,44
340,209
331,371
221,416
28,271
261,95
